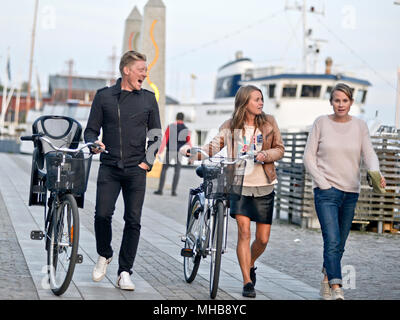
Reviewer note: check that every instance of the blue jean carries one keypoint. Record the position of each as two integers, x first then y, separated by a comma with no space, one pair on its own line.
335,210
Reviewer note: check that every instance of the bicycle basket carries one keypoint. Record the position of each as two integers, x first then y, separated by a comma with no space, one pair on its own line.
223,180
73,172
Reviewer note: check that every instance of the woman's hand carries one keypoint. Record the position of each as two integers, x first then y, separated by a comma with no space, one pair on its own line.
383,182
261,157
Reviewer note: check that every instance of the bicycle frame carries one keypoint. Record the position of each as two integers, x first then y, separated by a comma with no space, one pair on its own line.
207,221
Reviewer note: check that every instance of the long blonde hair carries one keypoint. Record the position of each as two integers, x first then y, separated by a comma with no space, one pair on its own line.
242,98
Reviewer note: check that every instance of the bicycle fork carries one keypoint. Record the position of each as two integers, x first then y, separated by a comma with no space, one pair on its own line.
209,249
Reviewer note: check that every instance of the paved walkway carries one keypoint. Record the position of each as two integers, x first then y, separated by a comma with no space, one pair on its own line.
288,270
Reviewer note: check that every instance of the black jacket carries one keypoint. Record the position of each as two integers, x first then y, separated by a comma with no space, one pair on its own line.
126,124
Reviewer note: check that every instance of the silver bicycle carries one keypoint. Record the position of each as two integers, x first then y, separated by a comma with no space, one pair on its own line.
207,216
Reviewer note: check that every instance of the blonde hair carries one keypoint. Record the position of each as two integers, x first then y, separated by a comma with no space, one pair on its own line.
128,58
343,88
242,98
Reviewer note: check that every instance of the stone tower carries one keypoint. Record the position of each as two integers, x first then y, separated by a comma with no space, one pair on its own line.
147,35
152,44
133,26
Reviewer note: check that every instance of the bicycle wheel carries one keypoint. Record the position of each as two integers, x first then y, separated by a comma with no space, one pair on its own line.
216,248
193,233
64,240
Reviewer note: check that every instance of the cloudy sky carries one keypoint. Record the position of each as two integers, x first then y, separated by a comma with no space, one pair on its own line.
361,36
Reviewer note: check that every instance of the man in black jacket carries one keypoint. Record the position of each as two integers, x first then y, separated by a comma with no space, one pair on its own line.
127,115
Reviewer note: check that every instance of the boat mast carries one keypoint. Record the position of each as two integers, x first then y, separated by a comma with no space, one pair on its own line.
28,99
305,62
307,49
397,124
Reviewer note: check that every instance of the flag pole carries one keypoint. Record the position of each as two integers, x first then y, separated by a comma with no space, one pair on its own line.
4,98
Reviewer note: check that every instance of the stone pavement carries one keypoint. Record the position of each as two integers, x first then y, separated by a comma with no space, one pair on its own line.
288,270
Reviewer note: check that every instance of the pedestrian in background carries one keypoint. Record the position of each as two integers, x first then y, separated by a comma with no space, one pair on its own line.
250,131
127,115
332,156
176,136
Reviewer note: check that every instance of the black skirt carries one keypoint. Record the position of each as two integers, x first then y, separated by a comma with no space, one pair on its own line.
258,209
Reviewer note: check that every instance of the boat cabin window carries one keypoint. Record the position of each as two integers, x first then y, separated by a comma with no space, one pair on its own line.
327,93
201,137
268,90
227,86
360,96
310,91
289,90
271,90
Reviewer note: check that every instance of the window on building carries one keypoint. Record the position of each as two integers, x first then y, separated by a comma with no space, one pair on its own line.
289,90
310,91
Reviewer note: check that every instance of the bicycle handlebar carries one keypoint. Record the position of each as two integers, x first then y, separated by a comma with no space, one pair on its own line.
40,136
194,150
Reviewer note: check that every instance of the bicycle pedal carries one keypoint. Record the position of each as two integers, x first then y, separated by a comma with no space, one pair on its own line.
183,238
186,252
79,258
37,235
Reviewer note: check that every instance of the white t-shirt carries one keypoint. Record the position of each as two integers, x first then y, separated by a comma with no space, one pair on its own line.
251,143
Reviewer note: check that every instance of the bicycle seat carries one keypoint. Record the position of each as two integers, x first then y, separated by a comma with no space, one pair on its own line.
199,171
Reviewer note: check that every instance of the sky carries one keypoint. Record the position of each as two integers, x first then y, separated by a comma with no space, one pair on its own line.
362,38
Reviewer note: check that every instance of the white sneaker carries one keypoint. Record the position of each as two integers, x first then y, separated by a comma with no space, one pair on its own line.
337,294
124,281
326,291
99,271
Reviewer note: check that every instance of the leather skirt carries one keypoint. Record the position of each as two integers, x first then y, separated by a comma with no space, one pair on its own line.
258,209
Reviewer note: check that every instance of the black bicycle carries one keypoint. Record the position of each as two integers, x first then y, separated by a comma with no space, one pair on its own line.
207,216
64,171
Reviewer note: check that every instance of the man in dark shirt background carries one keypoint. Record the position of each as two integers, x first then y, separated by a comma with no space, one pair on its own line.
127,115
176,135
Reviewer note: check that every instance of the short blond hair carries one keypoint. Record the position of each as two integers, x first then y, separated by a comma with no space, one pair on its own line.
128,58
344,88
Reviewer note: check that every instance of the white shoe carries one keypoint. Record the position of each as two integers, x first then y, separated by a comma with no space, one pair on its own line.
99,271
124,281
325,291
337,294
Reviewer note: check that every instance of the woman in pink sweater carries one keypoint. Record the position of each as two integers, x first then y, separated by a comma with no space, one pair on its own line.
332,156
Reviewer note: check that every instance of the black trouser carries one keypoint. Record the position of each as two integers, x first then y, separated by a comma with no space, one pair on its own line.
168,157
110,181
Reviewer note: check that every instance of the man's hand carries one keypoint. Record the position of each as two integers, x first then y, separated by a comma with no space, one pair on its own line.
98,150
144,166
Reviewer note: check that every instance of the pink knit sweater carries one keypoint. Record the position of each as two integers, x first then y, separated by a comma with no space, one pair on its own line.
334,150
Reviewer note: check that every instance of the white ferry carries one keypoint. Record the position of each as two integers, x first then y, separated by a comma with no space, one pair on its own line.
294,99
